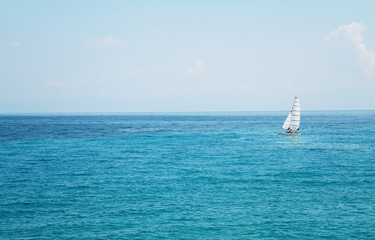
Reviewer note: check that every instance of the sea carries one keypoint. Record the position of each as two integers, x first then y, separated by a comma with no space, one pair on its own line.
216,175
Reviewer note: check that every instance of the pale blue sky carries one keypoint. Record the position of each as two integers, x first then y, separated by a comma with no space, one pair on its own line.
149,56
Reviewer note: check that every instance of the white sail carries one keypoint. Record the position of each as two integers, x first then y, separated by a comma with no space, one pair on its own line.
287,121
296,115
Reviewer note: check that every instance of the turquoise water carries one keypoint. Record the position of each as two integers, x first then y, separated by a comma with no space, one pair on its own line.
187,176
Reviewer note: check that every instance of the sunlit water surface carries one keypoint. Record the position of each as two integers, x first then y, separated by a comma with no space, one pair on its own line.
187,176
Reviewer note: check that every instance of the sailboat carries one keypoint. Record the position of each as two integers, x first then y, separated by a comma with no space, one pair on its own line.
292,121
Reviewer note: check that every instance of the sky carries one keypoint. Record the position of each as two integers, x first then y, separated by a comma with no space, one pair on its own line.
182,56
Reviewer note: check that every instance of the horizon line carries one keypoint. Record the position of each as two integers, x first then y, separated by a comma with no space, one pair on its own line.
168,112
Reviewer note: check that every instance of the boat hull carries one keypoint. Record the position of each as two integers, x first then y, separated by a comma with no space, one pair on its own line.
290,134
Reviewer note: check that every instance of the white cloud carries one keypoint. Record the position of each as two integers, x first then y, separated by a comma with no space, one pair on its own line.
110,80
15,44
353,33
101,42
136,71
197,68
63,84
58,84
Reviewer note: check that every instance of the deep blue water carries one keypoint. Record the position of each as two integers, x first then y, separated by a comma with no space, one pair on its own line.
187,176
